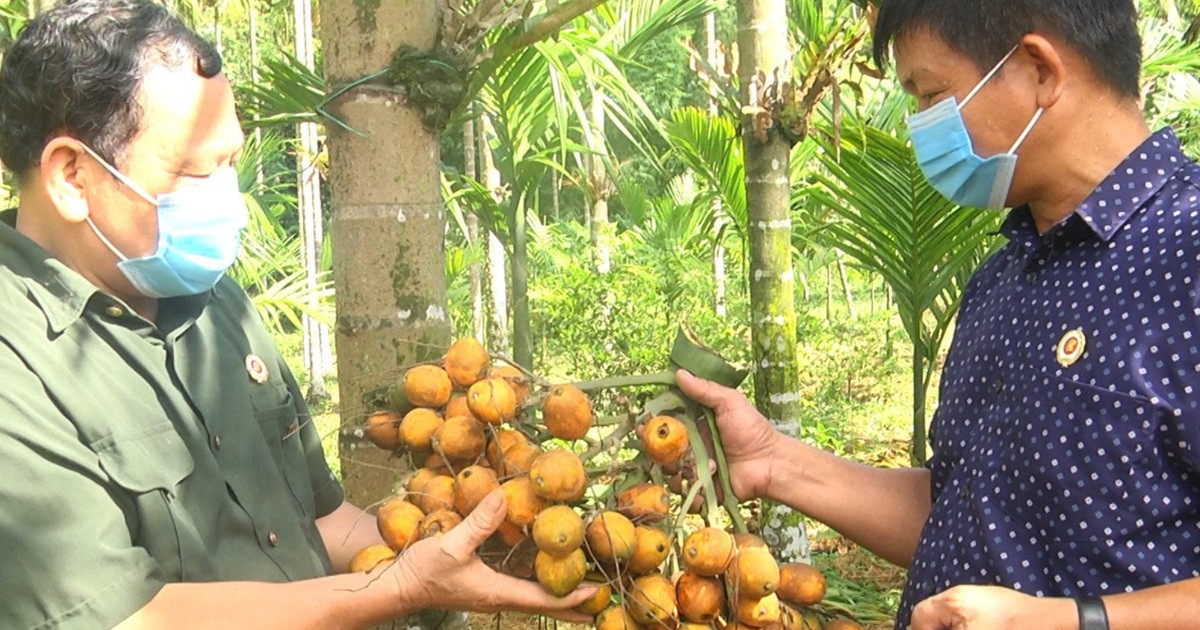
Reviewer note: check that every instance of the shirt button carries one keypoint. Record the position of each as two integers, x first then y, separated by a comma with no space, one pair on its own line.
964,492
273,539
1031,277
998,385
217,442
114,311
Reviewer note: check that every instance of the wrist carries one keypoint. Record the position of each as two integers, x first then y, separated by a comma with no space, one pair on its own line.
1091,613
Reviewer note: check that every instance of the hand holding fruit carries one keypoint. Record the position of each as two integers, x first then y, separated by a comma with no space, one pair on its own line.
444,572
748,438
992,607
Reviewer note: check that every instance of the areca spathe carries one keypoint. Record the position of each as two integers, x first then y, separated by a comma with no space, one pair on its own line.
895,224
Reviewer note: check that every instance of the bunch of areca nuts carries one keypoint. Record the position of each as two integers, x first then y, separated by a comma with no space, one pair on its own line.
625,502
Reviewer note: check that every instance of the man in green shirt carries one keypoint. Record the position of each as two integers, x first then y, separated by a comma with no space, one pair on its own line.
160,468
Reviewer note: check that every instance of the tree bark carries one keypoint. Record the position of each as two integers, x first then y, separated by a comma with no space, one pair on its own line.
497,264
763,41
387,229
600,185
259,174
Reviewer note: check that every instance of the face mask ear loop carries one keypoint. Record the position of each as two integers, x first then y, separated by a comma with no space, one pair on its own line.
988,77
141,192
106,242
1028,128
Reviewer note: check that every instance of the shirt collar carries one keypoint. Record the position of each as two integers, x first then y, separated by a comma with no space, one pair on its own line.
1129,187
61,293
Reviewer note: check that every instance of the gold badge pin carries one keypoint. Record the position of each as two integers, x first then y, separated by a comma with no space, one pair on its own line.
257,369
1071,347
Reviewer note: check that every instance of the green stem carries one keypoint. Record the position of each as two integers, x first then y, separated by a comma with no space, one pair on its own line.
702,472
617,382
731,504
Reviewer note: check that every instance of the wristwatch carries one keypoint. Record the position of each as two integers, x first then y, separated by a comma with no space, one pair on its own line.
1092,615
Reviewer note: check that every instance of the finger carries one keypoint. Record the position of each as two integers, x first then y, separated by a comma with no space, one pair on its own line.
931,615
530,597
462,541
705,392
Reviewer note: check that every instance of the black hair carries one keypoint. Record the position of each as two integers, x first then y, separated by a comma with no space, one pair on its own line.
1104,32
76,70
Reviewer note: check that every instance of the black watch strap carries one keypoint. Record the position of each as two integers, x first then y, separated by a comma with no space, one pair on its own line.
1092,615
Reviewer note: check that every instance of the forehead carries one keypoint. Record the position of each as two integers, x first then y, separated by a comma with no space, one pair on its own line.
922,54
186,117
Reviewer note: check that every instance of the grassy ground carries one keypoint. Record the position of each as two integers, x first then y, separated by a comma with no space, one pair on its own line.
858,395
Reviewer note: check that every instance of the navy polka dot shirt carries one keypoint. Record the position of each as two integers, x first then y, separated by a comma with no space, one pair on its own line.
1067,438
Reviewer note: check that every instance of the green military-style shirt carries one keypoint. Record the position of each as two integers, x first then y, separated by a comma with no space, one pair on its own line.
134,455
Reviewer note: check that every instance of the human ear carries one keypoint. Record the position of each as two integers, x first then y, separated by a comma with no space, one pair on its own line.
65,179
1051,71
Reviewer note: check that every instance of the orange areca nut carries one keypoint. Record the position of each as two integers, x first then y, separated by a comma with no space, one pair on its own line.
383,429
368,558
652,600
755,572
558,475
758,612
650,549
517,379
801,584
665,440
418,426
558,530
439,522
472,484
560,576
701,598
427,386
460,439
458,407
616,618
611,538
466,362
398,522
644,503
524,504
708,551
567,412
492,401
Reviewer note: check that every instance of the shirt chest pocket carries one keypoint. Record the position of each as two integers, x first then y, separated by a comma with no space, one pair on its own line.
1076,461
278,418
147,466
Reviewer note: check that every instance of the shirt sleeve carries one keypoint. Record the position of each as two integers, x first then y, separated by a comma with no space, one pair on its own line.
68,557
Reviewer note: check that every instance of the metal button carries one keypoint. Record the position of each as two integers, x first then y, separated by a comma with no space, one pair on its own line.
273,539
217,442
114,311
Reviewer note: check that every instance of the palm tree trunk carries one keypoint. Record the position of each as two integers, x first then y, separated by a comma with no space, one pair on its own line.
719,219
522,334
471,169
763,41
316,339
598,178
497,281
259,174
846,292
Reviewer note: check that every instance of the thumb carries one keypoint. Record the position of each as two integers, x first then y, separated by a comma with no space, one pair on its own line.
706,393
462,541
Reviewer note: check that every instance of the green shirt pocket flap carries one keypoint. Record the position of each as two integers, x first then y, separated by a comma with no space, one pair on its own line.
151,458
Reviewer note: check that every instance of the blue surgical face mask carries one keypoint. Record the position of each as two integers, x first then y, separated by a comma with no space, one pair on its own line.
199,233
949,161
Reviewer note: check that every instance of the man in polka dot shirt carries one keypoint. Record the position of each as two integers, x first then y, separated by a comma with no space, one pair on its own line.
1064,490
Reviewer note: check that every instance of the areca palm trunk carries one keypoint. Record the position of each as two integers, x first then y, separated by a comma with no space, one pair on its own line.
719,220
762,39
497,280
317,355
600,227
387,227
471,170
